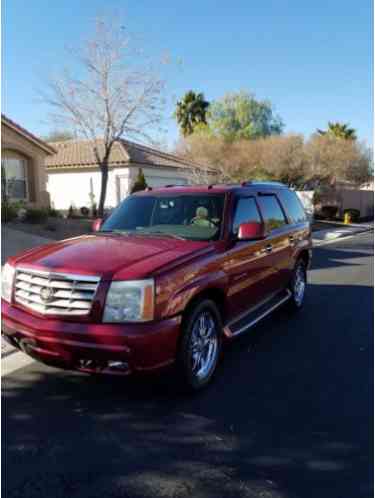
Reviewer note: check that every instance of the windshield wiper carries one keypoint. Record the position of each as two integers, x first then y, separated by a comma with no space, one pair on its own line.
117,232
159,232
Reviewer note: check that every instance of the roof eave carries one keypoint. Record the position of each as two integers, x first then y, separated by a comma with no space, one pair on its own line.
27,135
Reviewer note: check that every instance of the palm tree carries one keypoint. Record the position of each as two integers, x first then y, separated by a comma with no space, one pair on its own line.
190,111
339,130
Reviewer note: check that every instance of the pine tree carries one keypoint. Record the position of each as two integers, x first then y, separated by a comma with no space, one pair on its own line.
140,183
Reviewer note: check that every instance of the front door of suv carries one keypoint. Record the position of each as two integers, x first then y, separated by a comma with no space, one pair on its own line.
248,264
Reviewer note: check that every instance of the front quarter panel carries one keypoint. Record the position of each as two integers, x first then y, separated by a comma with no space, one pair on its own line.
174,290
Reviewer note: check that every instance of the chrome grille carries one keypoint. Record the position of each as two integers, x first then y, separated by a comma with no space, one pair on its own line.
53,293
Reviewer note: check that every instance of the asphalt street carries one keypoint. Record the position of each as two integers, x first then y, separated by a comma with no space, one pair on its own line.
290,413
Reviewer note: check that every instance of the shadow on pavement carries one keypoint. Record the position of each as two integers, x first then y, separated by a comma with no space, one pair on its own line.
288,415
336,256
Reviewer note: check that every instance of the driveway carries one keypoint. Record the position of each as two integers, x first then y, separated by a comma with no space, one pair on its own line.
15,241
289,415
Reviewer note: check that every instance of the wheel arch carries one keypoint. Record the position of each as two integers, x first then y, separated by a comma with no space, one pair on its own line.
215,294
305,256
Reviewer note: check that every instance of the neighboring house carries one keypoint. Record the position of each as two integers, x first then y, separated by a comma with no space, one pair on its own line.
22,163
74,175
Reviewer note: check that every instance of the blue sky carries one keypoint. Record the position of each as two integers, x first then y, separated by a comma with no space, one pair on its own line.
312,60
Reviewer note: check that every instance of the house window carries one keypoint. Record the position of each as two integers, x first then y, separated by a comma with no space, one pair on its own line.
15,178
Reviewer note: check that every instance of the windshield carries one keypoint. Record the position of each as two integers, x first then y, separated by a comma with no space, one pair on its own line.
186,216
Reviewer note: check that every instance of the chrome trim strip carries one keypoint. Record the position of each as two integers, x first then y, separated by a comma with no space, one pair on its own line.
82,290
61,276
263,315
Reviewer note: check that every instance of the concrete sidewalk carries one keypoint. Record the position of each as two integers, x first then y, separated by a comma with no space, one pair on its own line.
322,237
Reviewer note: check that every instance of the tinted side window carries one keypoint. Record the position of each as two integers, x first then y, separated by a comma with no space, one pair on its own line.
293,206
272,213
245,212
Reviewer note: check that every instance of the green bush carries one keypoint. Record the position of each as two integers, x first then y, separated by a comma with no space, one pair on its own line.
329,212
8,212
36,215
355,214
54,213
85,211
140,182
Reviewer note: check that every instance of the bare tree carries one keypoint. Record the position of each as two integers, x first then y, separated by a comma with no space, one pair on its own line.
113,92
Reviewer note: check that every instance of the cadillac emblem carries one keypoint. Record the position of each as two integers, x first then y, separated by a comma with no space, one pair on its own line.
46,294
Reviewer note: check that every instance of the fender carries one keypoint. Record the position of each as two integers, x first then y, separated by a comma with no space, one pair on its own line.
179,299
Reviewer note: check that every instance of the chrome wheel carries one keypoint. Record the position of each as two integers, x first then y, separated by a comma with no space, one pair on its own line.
299,285
203,345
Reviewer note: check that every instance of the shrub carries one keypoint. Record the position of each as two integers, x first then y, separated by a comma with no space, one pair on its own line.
140,182
329,212
71,211
94,210
8,212
354,214
54,213
36,215
85,211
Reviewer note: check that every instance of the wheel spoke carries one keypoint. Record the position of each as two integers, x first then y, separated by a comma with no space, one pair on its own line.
203,345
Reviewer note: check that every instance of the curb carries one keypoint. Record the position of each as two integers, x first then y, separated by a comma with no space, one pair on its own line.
349,235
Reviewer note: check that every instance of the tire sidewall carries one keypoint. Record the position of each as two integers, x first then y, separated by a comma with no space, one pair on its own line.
183,357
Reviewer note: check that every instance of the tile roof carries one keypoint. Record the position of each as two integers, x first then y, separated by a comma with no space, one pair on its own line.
29,136
79,153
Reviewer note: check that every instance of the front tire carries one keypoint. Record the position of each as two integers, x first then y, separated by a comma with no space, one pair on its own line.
200,345
298,285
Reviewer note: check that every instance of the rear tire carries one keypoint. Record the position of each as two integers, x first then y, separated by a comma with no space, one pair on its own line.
298,286
200,345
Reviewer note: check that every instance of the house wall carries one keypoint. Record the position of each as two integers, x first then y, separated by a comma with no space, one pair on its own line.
15,145
73,186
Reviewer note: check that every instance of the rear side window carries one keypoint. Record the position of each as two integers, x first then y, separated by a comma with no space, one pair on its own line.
293,206
273,215
245,212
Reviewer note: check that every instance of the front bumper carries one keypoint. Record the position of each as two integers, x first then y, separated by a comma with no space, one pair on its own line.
92,347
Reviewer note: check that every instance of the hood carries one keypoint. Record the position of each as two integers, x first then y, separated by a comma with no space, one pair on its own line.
108,255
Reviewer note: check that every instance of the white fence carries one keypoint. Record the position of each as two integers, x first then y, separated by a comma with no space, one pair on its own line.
306,197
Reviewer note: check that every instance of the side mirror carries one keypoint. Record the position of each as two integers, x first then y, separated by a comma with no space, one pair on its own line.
251,231
96,224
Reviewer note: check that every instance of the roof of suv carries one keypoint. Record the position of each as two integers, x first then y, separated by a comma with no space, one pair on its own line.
215,188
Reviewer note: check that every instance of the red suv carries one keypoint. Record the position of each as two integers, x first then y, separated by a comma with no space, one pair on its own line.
170,276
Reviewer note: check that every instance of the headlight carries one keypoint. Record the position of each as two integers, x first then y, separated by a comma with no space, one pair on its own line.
7,277
130,301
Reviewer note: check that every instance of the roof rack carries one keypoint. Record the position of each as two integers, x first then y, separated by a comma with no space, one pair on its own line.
260,182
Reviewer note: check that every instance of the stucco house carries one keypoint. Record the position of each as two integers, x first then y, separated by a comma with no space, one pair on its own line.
22,160
74,175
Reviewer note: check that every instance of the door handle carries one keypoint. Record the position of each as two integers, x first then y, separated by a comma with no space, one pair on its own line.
267,249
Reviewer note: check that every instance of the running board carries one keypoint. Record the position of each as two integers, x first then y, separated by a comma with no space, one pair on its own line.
257,313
